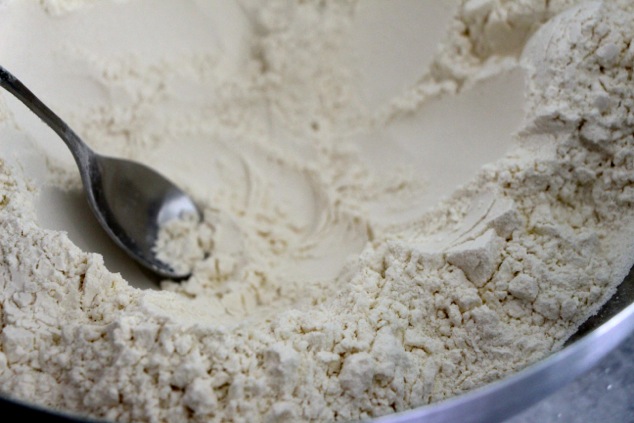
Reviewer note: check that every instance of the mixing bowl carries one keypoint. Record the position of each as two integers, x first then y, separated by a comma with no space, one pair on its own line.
30,58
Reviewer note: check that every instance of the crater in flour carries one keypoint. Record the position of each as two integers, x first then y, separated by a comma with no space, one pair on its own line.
328,293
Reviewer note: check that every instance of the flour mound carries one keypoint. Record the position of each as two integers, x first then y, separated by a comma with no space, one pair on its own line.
329,314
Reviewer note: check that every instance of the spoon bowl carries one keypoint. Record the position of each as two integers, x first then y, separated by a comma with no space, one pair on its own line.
131,201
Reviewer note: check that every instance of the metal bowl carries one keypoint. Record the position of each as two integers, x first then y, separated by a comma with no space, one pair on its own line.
494,402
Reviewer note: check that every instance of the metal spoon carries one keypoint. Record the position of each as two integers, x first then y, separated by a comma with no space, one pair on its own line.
130,200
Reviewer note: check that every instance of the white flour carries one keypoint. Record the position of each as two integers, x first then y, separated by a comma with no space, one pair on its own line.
325,286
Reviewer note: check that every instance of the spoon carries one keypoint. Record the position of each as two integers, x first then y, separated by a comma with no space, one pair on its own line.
130,200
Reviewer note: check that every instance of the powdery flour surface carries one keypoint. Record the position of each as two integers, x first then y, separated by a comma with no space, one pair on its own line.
340,273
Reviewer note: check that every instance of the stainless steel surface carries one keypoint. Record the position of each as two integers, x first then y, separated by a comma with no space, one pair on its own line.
130,200
604,394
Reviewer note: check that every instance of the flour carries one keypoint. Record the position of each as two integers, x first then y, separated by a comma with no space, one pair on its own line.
306,302
486,37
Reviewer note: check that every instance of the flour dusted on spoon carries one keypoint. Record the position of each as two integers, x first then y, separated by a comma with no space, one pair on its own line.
338,273
183,242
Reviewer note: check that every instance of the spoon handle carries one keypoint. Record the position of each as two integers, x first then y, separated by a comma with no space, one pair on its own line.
81,152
